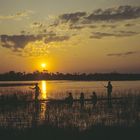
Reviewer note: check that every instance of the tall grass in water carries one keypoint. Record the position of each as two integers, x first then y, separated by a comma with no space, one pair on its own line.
125,112
15,95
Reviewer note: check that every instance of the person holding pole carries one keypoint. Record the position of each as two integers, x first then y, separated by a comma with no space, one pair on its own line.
37,91
109,91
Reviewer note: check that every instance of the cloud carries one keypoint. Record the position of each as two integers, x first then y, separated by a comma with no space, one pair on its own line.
16,16
99,35
111,14
55,38
72,17
129,24
114,14
17,42
78,27
101,18
92,26
65,25
35,49
37,25
108,26
123,54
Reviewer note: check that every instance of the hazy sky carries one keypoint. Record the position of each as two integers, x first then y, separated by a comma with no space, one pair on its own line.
70,35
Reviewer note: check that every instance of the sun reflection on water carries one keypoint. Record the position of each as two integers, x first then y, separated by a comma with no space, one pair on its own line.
42,110
43,90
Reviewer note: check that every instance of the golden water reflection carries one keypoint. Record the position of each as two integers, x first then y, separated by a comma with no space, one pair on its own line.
42,108
43,90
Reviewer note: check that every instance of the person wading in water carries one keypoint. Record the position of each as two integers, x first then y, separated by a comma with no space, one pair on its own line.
94,99
109,91
37,91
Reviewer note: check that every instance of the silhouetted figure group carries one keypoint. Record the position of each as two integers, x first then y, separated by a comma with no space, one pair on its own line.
69,100
93,97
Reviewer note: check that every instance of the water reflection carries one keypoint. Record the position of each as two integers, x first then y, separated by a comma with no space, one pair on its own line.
42,105
39,113
43,108
32,114
43,90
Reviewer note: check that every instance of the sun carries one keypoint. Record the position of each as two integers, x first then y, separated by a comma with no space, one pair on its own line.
43,65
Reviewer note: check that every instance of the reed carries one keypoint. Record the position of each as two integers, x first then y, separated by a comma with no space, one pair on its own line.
124,112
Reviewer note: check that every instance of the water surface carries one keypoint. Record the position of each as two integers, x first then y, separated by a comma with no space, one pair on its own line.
28,115
59,89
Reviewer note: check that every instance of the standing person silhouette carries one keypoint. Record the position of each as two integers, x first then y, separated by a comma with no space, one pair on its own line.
82,100
94,98
109,91
37,91
69,99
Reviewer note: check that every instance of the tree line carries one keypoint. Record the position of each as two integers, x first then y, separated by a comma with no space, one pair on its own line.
45,75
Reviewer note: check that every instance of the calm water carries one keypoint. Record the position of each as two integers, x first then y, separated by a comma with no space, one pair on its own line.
60,89
31,114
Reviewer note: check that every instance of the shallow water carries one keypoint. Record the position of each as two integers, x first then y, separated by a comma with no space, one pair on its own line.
59,89
27,115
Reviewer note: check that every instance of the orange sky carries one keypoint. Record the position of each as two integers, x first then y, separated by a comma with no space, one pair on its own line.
77,36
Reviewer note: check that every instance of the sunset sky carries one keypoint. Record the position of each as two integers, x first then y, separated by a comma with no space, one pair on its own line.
70,35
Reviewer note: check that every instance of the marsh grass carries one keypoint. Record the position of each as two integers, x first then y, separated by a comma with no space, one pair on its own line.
30,120
125,112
